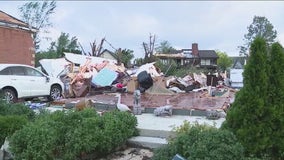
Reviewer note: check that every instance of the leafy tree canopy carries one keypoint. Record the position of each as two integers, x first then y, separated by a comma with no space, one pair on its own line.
165,48
125,56
223,62
260,27
65,44
37,14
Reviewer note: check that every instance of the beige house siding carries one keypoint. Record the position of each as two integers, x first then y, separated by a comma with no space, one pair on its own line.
107,55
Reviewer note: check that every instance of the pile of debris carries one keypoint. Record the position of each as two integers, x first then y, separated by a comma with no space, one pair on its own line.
85,76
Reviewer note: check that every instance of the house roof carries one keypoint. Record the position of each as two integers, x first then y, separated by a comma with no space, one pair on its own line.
110,52
207,54
238,62
12,22
177,55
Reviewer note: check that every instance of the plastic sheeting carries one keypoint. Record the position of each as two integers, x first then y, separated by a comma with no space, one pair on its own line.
81,59
150,68
54,67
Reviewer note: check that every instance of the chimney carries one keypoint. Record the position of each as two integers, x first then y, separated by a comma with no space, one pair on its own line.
194,49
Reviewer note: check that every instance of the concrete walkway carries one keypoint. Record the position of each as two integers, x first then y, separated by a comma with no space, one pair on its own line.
154,130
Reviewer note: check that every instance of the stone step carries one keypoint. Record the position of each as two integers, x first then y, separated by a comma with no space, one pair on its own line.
147,142
156,133
154,130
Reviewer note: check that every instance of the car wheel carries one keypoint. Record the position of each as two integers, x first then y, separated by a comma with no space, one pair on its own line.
10,96
55,93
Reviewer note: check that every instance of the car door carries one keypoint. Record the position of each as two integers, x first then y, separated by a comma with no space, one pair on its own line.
20,81
40,85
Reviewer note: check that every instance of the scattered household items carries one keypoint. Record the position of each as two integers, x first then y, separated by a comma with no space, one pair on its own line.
34,106
145,81
104,78
215,114
85,76
83,103
81,59
166,110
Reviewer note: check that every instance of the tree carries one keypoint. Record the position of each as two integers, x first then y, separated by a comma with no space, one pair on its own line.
149,49
96,48
139,61
223,61
165,48
65,44
125,56
37,14
260,27
257,112
275,144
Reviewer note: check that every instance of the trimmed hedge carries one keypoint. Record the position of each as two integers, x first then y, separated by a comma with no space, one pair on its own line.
73,135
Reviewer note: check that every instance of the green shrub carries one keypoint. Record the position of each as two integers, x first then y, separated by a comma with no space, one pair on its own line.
201,142
16,109
9,124
72,135
12,118
256,116
34,141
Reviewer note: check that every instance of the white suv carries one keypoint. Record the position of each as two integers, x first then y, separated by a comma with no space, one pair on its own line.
23,81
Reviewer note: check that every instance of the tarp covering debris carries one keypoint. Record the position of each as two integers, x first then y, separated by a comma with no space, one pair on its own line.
81,59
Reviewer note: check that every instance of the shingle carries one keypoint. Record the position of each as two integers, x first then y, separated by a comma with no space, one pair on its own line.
207,54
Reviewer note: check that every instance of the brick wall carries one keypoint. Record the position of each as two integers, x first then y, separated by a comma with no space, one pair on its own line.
16,46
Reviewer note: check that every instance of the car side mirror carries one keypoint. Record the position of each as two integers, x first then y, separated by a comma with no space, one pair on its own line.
47,79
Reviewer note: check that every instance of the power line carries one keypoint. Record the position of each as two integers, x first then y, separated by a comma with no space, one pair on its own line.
110,44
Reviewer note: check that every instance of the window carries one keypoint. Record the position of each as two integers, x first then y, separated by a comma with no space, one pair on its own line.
205,62
33,72
187,61
5,71
18,71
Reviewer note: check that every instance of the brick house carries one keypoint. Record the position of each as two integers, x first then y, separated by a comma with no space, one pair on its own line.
16,41
192,57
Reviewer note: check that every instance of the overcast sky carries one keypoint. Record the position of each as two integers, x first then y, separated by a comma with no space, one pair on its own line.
216,25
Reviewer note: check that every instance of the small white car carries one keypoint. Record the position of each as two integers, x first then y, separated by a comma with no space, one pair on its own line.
24,81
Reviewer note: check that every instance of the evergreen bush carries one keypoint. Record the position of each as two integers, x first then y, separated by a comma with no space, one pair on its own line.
73,135
201,142
256,116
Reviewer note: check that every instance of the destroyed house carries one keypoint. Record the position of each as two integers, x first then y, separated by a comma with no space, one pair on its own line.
191,57
16,41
